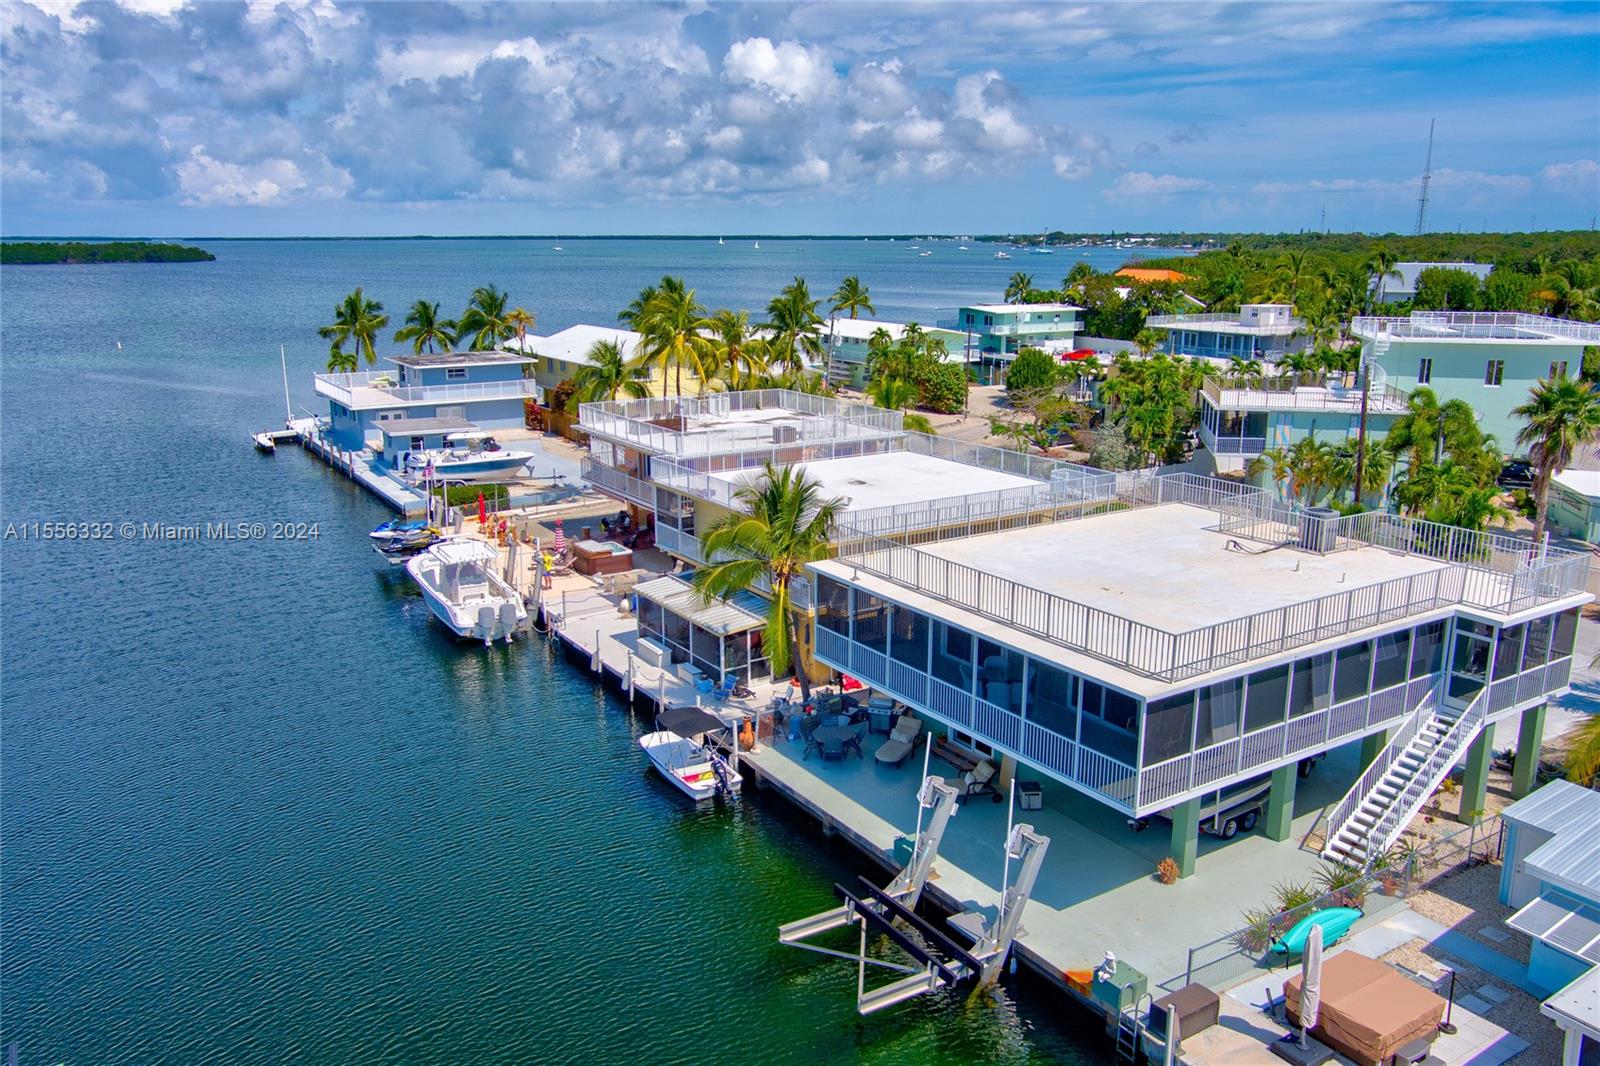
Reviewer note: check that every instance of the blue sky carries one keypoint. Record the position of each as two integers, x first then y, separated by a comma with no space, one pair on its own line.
158,117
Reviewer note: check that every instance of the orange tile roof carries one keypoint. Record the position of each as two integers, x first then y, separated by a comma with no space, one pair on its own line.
1145,276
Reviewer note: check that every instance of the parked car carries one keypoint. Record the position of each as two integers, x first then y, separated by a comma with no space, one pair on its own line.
1515,474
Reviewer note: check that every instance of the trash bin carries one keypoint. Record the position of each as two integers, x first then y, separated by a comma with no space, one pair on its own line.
1030,795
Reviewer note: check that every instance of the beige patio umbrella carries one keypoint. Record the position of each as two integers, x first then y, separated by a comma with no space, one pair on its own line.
1310,982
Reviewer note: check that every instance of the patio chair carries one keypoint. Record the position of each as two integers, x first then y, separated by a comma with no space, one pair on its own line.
902,741
978,780
833,747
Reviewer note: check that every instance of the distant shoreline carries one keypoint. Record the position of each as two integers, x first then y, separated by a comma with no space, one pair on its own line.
80,253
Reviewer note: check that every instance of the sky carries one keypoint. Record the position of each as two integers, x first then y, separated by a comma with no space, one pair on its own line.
173,118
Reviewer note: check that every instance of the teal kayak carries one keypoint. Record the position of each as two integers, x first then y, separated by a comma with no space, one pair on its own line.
1335,923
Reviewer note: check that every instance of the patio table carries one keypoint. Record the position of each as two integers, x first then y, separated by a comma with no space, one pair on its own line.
847,736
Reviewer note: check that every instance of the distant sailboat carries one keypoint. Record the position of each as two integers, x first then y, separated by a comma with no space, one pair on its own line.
557,248
719,240
758,244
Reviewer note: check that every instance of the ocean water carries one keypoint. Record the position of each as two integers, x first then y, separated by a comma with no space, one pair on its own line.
255,807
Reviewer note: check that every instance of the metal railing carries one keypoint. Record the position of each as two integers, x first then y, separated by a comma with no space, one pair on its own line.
689,425
341,387
1351,802
1316,393
1426,778
1481,325
619,482
1223,318
1227,445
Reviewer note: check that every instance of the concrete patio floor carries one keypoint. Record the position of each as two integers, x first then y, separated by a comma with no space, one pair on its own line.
1096,890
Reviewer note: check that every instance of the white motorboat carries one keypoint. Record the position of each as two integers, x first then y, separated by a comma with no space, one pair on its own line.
679,753
1002,255
473,456
459,584
265,443
558,248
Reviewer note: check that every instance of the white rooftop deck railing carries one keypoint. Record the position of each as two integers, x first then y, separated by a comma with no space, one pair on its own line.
1223,318
342,387
666,425
1479,325
1467,578
1296,394
620,482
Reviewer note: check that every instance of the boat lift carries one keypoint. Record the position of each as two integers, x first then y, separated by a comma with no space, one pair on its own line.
940,962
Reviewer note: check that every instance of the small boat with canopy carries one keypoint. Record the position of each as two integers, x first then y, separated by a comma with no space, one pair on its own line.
679,752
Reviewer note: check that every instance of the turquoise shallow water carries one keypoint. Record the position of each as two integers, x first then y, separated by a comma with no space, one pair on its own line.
256,808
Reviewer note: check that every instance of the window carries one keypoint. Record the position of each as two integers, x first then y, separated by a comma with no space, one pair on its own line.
908,642
952,656
1493,373
1508,651
1353,674
455,373
872,622
1217,713
1566,634
1424,371
1050,699
1536,643
1394,653
1000,675
1310,687
1427,650
1558,369
649,616
833,605
1266,697
1469,660
416,444
1167,725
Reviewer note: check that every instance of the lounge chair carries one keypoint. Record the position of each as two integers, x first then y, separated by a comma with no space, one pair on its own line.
978,780
902,740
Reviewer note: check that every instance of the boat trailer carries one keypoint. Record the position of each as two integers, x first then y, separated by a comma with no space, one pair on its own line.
939,961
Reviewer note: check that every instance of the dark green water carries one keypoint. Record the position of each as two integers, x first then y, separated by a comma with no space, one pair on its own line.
254,807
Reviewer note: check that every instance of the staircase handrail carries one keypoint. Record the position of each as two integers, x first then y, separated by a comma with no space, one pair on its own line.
1346,808
1427,778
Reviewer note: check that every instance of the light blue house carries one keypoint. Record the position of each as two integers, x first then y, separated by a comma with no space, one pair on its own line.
1490,359
1552,873
991,335
484,388
1263,332
1238,422
847,342
1575,503
401,437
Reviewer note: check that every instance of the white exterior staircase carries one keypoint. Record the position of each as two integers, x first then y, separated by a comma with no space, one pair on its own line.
1377,809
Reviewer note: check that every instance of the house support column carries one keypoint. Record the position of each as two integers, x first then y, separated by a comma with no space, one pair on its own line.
1186,835
1280,802
1530,738
1371,745
1475,779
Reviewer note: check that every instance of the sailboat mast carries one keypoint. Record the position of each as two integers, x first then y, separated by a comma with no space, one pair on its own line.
283,363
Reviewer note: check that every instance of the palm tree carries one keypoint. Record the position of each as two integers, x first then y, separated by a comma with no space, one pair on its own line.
1565,295
795,326
1148,340
1428,430
1292,274
485,319
852,296
675,333
356,320
424,328
1018,287
1380,264
1562,415
1274,461
1243,372
781,524
607,374
897,394
1583,758
522,320
741,355
342,362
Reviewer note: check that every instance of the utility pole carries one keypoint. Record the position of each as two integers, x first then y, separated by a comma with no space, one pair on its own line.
1361,431
1427,176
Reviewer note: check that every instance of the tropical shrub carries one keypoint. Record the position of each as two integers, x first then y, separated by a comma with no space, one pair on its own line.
944,388
1032,371
1289,896
467,495
561,394
1345,883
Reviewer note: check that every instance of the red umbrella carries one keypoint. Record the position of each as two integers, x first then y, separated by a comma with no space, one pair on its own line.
483,510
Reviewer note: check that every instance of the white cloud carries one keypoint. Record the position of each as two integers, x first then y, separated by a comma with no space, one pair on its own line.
203,179
790,71
1139,183
986,100
1581,177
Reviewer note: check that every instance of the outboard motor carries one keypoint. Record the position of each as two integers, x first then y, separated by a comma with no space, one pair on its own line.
508,620
486,624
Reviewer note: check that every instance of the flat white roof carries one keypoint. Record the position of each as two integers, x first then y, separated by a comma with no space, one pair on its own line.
894,479
572,344
1583,482
860,329
1001,309
1578,1005
1164,566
